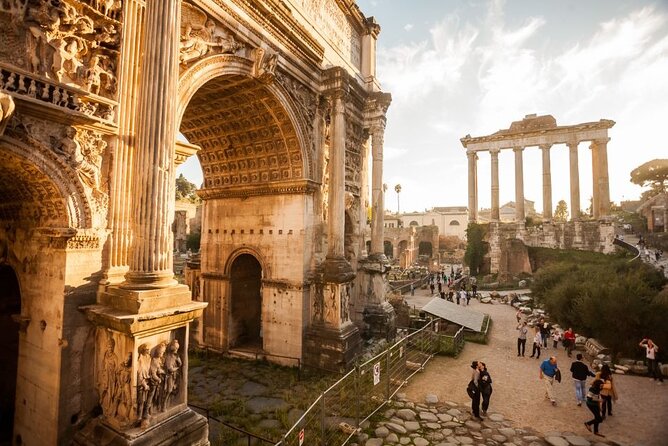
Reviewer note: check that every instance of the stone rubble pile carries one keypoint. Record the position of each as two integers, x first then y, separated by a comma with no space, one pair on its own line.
450,424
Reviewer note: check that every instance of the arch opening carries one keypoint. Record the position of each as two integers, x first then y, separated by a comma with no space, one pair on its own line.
10,304
246,300
425,249
388,249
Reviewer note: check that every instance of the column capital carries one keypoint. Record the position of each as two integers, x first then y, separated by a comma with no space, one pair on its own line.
572,144
518,149
494,152
545,146
600,141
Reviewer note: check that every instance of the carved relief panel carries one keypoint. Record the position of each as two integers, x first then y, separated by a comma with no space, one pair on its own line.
139,380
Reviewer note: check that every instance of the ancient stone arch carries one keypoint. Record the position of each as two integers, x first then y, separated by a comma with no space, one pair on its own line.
285,120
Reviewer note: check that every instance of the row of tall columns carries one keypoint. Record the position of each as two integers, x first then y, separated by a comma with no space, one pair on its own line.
601,186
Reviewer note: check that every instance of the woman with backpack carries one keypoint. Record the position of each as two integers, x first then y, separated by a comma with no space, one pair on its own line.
485,386
594,405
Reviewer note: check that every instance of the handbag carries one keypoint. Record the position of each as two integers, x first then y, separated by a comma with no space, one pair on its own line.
557,376
471,389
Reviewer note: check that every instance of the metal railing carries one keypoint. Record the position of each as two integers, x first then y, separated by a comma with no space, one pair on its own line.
240,433
335,416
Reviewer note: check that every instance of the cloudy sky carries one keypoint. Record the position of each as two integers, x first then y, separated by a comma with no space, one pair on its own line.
460,67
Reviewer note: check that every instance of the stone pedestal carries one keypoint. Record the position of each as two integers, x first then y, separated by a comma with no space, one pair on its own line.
331,348
373,314
141,368
332,340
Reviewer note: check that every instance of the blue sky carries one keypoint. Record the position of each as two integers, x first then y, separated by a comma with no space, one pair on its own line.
472,67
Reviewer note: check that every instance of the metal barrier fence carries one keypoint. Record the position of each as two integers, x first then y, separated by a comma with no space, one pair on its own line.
234,434
337,413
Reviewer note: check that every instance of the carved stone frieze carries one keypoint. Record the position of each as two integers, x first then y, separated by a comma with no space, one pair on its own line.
354,141
201,36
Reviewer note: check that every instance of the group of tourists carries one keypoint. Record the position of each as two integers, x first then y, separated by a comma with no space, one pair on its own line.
598,397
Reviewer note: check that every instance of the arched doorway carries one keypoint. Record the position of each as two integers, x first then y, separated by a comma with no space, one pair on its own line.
10,304
246,314
425,249
388,248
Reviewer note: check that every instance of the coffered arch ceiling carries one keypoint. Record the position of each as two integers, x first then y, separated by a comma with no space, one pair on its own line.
246,136
28,196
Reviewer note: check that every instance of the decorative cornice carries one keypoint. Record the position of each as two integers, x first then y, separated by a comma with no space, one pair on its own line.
300,187
275,18
603,124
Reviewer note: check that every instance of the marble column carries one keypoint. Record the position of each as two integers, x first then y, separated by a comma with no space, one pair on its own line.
377,196
601,148
150,313
473,186
337,267
665,219
519,185
595,176
494,153
547,183
153,185
120,207
575,180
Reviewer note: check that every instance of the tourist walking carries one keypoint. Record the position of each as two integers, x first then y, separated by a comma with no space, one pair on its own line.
523,330
608,392
556,337
544,332
537,341
580,372
651,351
569,341
518,315
485,385
474,390
548,372
594,405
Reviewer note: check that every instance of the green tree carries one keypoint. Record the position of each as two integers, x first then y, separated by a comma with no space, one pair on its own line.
475,247
561,211
652,174
193,241
185,190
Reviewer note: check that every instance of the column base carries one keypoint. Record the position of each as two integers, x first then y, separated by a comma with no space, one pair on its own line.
337,270
373,314
186,427
331,348
145,301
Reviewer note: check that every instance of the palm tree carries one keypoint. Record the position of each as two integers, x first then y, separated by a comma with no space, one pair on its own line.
397,189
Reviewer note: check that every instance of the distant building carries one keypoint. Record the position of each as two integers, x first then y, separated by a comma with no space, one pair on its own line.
507,212
450,220
655,210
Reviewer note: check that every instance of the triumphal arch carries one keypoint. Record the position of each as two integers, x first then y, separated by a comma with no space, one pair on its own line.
280,101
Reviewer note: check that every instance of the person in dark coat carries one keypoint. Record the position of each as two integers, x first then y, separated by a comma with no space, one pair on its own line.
485,385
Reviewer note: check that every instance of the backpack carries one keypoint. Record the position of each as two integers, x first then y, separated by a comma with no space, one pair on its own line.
471,389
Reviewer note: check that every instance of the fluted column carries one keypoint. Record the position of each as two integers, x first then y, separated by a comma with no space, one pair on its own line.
120,207
153,182
575,180
547,183
494,153
595,174
519,184
600,146
473,186
377,199
337,179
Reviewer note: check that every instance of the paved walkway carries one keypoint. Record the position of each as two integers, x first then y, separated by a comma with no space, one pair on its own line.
663,261
639,414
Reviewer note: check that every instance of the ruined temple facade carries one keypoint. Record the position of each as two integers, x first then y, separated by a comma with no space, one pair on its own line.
279,100
544,133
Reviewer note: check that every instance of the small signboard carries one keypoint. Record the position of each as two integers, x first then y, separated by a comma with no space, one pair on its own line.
376,373
301,437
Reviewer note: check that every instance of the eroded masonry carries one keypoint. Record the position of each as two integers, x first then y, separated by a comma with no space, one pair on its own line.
279,100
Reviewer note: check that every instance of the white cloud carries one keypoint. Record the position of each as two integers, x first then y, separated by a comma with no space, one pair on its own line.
408,26
478,77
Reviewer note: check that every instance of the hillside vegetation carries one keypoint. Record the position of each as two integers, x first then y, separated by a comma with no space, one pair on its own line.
603,296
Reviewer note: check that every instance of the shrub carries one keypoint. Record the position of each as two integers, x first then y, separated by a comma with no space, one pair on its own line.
606,297
475,247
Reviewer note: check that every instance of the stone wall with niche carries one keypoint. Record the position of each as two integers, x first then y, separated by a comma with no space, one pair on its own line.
277,230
